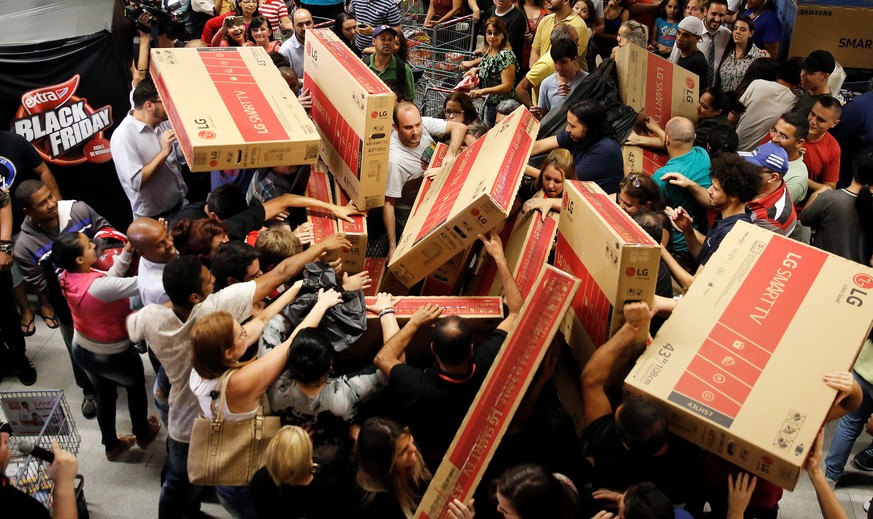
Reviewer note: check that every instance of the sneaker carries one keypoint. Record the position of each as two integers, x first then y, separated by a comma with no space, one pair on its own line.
154,427
864,460
866,506
26,372
89,408
832,483
125,442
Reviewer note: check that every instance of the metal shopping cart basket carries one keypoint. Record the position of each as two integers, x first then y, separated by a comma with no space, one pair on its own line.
457,34
39,417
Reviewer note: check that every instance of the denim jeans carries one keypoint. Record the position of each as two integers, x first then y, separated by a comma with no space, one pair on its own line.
848,430
237,501
107,372
178,496
161,396
79,374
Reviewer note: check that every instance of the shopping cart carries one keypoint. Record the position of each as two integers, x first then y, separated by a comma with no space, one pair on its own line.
38,417
457,34
320,22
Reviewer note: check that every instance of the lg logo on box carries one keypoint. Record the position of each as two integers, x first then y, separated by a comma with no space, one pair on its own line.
376,115
635,272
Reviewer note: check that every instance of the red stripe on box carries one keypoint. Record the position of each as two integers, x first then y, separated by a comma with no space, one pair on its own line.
659,88
436,161
341,52
489,271
506,383
762,309
334,127
323,224
590,305
536,253
615,217
728,385
512,167
697,390
480,306
730,362
246,104
359,224
452,187
375,267
173,115
740,345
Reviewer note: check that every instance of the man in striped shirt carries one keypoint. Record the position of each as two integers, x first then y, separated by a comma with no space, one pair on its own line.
773,208
372,14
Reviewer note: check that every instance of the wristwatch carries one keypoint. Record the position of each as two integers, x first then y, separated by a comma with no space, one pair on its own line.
6,246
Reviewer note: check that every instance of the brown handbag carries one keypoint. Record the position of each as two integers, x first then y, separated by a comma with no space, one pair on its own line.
228,453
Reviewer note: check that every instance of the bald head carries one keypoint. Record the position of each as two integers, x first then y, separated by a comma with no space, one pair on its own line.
680,132
151,239
302,21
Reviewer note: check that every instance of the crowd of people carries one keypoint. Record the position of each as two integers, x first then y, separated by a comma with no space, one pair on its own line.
238,310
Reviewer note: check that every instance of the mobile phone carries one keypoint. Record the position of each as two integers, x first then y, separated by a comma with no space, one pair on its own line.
362,26
239,20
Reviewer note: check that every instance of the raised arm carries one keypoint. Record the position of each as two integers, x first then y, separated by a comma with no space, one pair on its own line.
599,366
252,380
291,267
255,326
511,292
274,206
392,352
384,307
457,132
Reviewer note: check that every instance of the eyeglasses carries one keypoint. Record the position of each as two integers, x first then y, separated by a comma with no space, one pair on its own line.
634,180
316,468
491,33
452,113
781,135
6,427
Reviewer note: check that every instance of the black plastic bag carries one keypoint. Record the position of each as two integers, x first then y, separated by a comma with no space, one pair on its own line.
345,323
602,86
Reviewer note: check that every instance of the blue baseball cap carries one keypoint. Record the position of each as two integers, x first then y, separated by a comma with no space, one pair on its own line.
769,156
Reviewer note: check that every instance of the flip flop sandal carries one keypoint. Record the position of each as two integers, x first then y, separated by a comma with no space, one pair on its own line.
54,322
28,328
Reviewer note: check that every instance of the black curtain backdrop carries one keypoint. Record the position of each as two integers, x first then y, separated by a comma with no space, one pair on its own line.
104,80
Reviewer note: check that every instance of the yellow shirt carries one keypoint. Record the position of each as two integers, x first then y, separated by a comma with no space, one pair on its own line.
543,68
542,42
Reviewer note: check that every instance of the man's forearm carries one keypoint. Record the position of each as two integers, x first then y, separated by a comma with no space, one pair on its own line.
511,292
523,91
6,222
395,347
46,177
388,220
457,138
701,195
600,365
694,241
152,167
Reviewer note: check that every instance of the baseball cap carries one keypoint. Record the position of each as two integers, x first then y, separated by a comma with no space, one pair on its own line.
693,25
769,156
820,61
382,28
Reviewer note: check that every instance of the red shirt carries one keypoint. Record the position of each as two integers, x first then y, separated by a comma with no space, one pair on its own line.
822,159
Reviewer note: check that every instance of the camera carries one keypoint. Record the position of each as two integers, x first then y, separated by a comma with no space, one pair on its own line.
166,19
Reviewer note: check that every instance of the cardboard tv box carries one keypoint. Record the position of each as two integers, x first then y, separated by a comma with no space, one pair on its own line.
841,27
739,365
614,257
351,107
527,246
641,161
232,109
325,223
482,313
664,89
468,197
500,394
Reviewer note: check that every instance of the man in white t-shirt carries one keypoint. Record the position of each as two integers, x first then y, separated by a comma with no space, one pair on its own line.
765,102
412,145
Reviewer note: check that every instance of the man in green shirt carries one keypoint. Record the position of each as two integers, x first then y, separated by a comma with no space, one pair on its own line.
386,65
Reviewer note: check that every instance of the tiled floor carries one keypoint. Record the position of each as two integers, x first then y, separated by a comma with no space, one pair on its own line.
129,488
